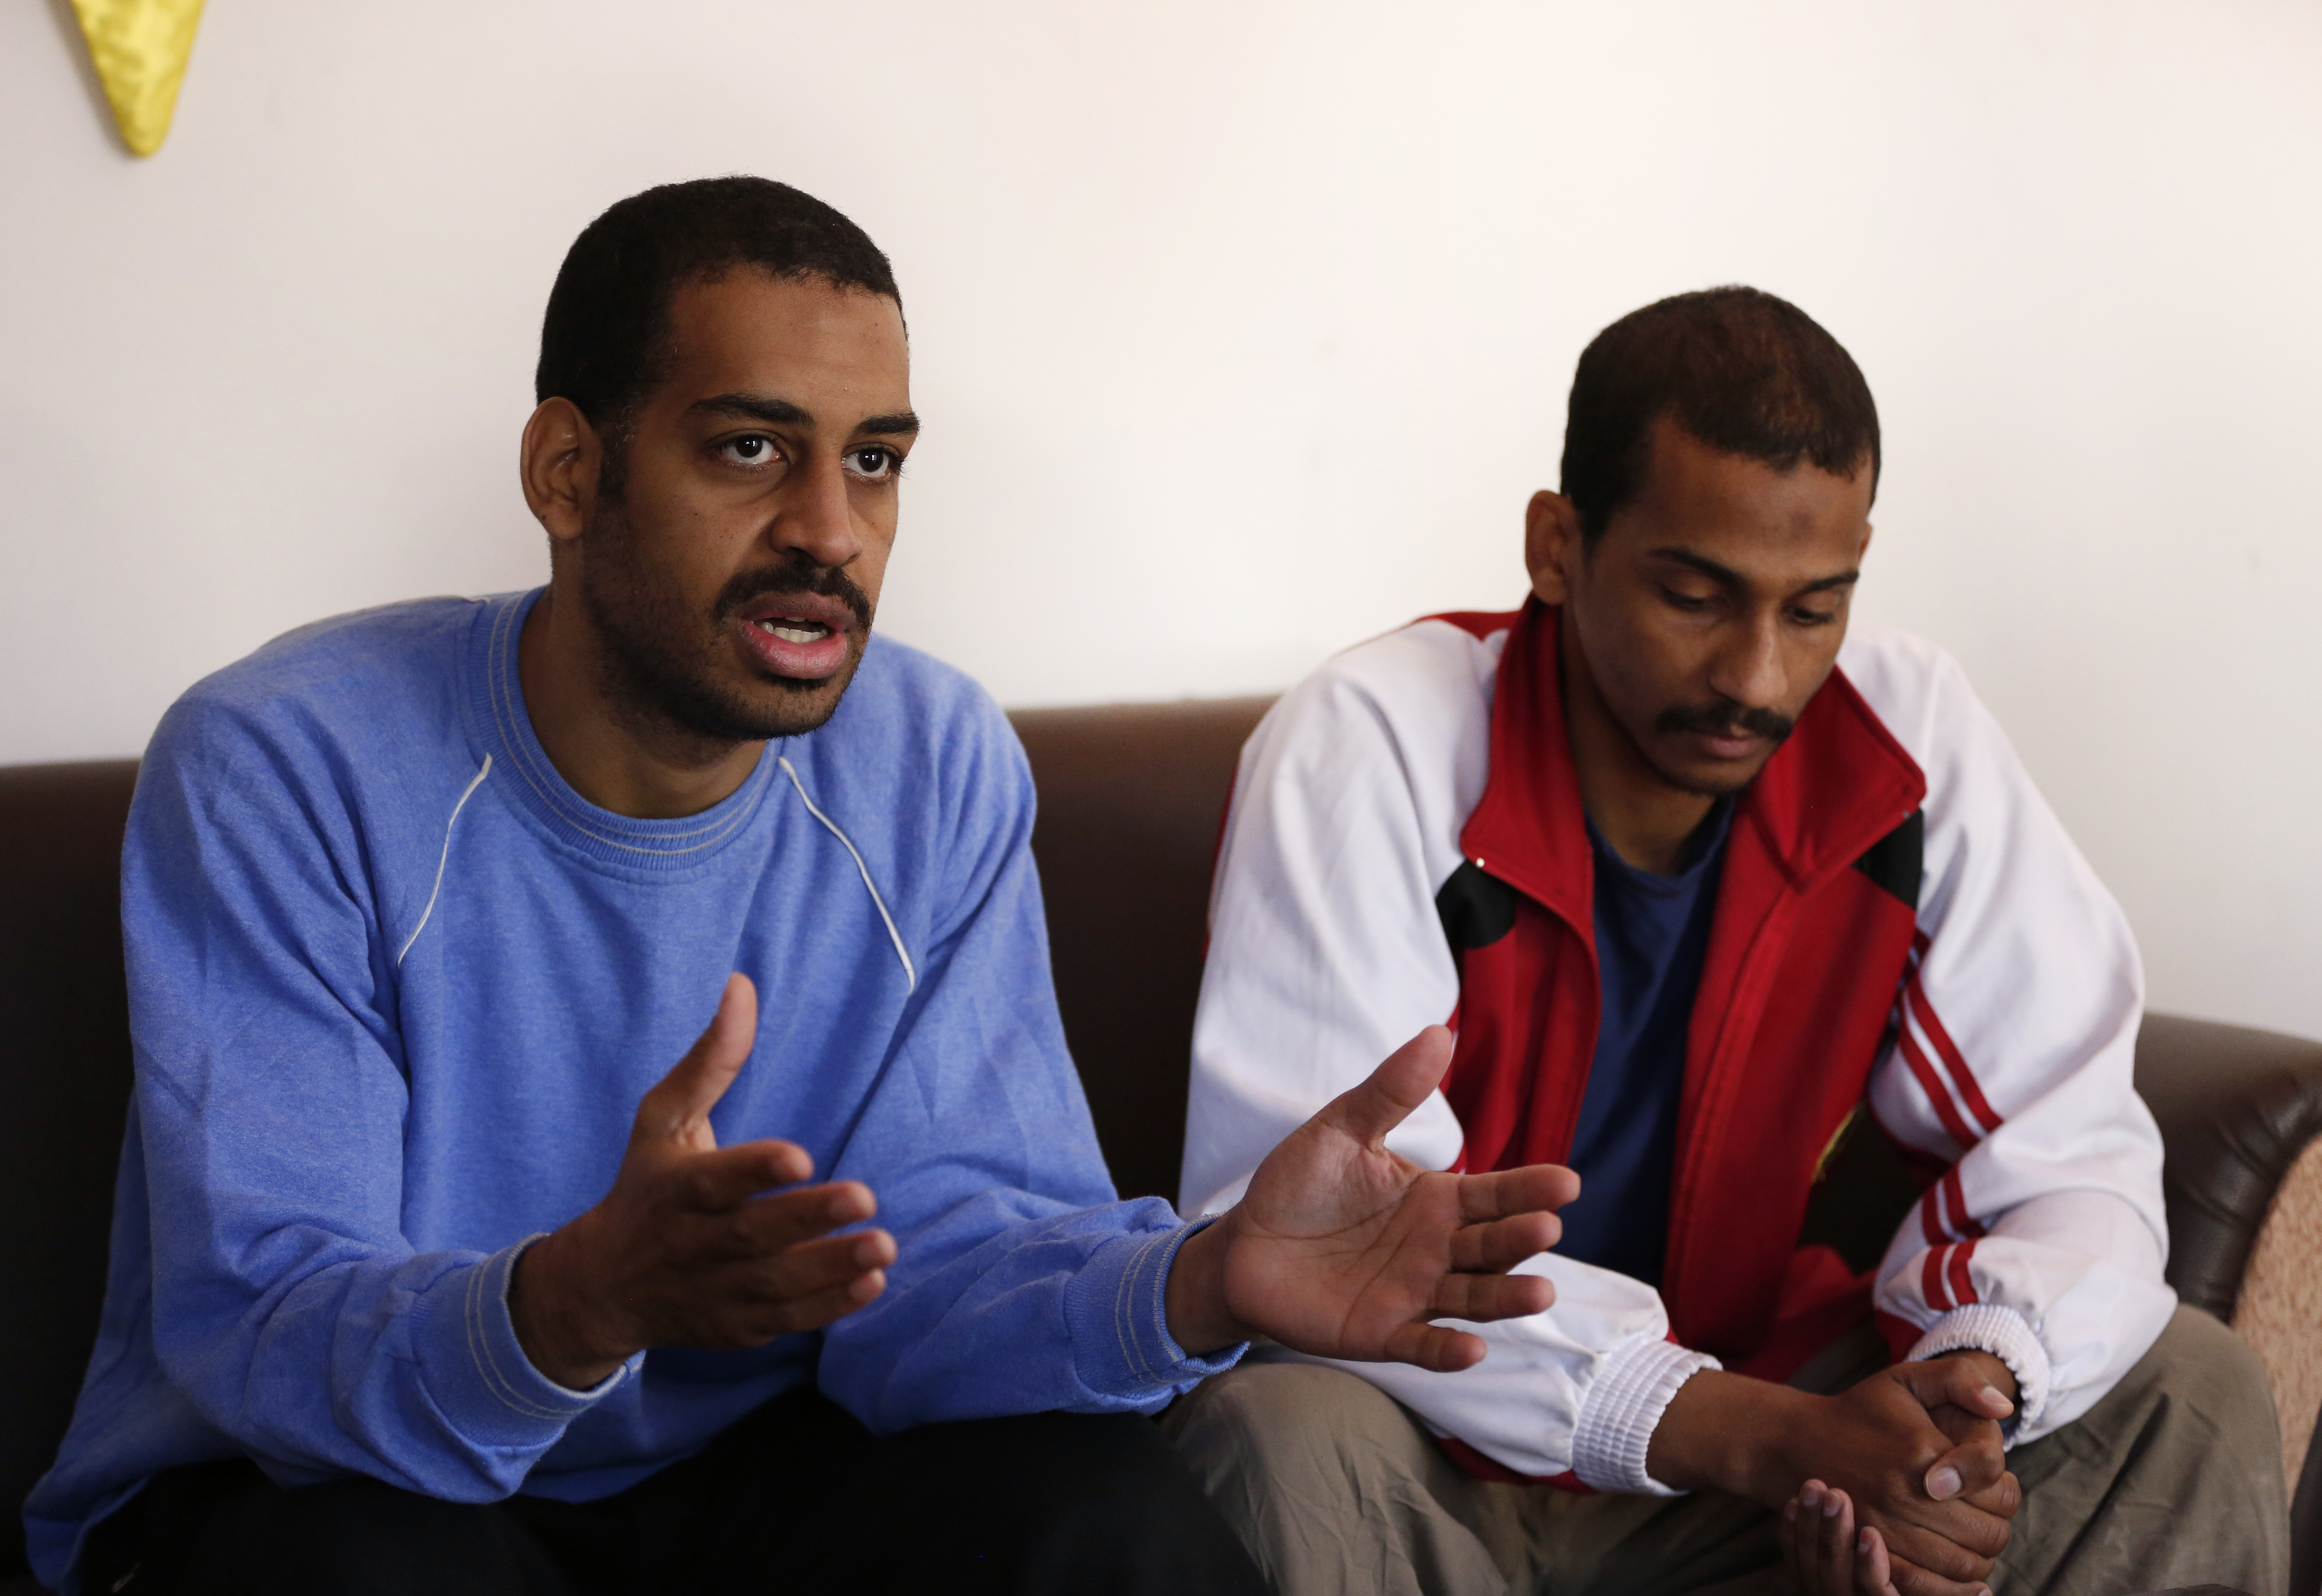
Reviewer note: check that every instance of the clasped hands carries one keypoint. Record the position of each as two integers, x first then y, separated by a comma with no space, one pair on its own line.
1897,1486
1340,1247
1951,1517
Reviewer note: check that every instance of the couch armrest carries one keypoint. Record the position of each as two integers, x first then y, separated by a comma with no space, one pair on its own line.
2240,1111
2237,1108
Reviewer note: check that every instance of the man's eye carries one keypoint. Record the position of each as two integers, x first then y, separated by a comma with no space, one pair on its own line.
752,449
1690,603
1813,617
874,465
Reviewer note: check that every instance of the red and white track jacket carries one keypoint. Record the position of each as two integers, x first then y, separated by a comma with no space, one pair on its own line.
1901,922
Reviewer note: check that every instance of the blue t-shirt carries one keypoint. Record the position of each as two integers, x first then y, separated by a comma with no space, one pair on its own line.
1652,934
396,988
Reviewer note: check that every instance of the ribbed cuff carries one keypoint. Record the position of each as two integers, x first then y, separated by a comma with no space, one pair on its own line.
2001,1331
476,1369
1623,1407
1117,1309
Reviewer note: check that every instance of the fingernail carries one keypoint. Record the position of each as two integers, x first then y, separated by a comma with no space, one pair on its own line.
1943,1483
1790,1511
1993,1395
1830,1505
1810,1494
1863,1542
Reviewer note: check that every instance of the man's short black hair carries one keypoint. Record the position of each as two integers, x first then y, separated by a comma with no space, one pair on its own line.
602,340
1739,369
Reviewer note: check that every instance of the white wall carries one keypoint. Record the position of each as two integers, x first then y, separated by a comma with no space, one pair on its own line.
1243,328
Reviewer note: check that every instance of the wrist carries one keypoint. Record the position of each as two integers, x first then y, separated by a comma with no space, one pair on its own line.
567,1338
1731,1433
1195,1300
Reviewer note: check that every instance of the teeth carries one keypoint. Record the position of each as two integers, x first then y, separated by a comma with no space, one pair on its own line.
795,630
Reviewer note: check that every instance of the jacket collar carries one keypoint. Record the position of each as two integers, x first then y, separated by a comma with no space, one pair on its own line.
1837,785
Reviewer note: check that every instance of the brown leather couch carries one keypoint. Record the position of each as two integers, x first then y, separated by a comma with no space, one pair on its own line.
1130,806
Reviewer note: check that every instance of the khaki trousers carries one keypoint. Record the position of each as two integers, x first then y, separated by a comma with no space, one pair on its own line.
2173,1479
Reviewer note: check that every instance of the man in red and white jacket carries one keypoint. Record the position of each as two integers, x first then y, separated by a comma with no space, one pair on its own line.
1703,884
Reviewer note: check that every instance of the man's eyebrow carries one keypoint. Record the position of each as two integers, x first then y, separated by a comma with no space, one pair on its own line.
1734,578
1844,579
902,422
755,407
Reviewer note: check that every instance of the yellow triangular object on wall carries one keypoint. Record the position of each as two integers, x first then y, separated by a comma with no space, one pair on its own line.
140,48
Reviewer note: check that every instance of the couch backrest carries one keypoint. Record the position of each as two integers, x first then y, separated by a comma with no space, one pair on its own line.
1130,802
64,1089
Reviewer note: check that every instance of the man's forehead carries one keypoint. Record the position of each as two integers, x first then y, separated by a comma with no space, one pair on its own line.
1785,550
1698,505
1675,460
836,353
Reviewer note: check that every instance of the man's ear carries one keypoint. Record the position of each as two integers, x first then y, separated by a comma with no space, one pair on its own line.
560,458
1552,546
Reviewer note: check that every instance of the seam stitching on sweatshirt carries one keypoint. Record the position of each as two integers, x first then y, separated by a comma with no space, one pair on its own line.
1157,1314
1141,1315
1124,1296
910,975
443,859
480,1348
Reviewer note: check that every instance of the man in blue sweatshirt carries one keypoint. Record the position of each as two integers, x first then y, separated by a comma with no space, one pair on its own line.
430,1272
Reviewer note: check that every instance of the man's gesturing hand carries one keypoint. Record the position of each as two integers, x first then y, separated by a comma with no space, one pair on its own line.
1343,1249
684,1251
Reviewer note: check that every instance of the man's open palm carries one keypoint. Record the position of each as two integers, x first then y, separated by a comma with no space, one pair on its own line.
1343,1249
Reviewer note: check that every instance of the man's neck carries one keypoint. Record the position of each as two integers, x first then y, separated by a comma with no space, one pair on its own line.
609,755
1640,817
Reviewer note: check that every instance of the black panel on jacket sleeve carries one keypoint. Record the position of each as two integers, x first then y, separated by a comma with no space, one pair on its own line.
1859,1195
1476,910
1893,862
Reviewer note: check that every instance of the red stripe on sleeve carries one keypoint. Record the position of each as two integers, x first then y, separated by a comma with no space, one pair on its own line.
1961,1222
1931,1222
1962,1285
1961,1076
1931,1280
1930,1083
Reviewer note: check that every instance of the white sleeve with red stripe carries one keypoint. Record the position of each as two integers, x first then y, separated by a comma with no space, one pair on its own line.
2016,1032
1326,955
1325,951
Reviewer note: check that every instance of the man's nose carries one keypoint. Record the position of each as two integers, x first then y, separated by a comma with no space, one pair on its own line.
818,518
1749,671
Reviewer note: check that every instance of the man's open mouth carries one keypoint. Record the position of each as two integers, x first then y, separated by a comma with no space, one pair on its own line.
798,637
792,630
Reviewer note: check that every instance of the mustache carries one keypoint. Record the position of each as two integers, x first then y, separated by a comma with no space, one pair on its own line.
1725,718
796,574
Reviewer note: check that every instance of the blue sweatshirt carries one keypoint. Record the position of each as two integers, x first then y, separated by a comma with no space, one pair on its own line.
396,989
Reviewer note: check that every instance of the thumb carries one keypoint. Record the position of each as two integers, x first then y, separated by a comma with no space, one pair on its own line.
1957,1380
678,1107
1397,1087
